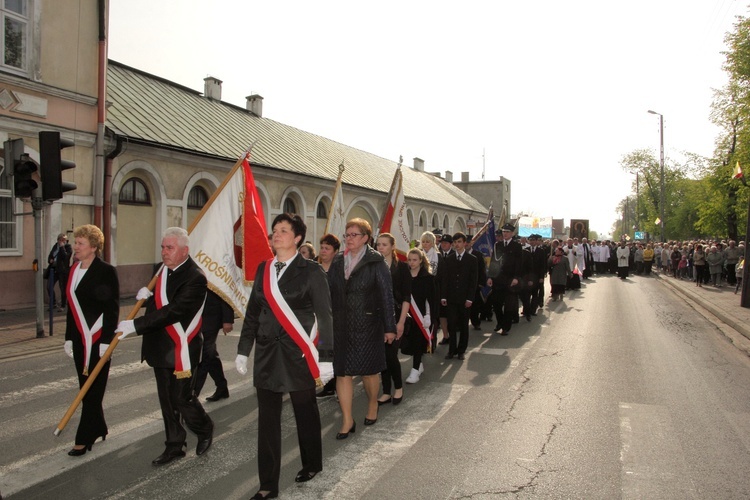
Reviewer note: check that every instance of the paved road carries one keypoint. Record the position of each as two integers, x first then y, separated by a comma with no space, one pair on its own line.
621,391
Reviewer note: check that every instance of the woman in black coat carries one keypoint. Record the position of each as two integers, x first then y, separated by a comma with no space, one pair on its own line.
401,283
287,289
362,304
94,307
424,294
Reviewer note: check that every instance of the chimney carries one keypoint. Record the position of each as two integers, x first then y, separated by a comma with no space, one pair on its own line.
464,176
418,164
449,176
255,105
212,88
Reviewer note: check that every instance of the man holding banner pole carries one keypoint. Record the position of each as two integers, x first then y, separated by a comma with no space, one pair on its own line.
172,343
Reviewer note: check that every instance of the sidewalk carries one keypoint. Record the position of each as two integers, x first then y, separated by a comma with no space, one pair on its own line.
722,303
18,331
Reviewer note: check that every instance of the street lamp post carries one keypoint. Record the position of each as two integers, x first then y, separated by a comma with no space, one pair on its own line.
661,169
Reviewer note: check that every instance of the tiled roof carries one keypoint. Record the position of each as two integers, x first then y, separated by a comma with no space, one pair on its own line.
152,110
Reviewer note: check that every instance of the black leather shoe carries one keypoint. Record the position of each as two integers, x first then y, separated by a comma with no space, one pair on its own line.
76,452
370,421
168,456
219,394
397,401
444,341
381,403
460,356
344,435
204,444
303,476
449,356
325,393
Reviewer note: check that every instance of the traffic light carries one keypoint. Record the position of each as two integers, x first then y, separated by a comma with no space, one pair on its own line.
50,146
21,167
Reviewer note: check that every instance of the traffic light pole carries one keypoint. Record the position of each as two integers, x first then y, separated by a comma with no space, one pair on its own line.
36,205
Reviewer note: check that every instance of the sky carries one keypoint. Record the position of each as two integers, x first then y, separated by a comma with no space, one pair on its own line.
548,94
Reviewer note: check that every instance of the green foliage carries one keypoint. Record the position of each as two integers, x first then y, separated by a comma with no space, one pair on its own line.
701,197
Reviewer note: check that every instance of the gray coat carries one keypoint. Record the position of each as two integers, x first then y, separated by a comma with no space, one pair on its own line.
715,262
362,314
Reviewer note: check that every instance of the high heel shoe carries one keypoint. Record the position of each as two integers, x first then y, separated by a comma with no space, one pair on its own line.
77,452
369,421
344,435
397,401
381,403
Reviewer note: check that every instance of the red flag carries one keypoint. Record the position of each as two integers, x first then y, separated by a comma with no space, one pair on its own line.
229,238
394,217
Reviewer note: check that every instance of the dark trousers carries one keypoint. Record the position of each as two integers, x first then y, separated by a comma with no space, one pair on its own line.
178,402
476,308
393,367
92,424
210,365
505,305
458,326
537,295
62,282
731,274
525,296
269,434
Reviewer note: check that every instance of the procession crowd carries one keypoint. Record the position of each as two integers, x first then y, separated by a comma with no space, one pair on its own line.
331,314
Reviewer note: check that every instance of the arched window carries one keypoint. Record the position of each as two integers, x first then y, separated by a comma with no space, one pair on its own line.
289,206
134,192
197,198
421,220
322,211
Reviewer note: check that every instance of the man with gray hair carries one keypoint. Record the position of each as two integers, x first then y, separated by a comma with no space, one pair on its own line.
172,343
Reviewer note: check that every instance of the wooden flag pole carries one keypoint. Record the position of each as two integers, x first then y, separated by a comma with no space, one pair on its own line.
95,372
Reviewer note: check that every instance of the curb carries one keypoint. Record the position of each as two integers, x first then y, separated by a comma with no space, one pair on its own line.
719,313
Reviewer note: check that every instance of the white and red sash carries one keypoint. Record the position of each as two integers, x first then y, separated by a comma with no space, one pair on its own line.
416,315
289,322
89,335
181,337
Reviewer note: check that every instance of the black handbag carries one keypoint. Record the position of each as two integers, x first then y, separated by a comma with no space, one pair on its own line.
45,273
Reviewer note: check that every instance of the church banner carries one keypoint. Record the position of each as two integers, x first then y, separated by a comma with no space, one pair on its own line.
535,225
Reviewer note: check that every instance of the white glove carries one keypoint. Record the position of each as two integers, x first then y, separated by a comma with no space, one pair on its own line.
68,347
126,327
143,294
102,349
427,321
240,363
326,372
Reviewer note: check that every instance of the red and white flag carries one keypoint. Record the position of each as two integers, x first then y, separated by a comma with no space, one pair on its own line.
228,239
394,216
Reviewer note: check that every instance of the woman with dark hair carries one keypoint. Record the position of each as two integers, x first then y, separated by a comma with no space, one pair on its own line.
401,285
94,307
362,303
329,247
289,296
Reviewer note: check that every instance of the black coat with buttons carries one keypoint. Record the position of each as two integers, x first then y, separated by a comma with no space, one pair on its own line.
278,364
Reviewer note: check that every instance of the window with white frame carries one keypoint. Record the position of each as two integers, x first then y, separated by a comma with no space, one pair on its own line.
9,225
16,35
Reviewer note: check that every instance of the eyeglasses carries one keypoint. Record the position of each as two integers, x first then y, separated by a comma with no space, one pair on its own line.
352,235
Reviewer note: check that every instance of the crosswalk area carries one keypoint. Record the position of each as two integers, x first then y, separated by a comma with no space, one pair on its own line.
34,398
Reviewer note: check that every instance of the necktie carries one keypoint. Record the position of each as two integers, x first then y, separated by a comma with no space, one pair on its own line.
459,258
279,267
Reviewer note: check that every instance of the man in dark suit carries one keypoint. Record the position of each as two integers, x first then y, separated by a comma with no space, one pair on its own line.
457,290
59,260
172,343
504,278
445,249
478,304
217,315
536,275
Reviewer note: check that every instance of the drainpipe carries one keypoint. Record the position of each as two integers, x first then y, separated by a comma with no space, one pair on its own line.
101,117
